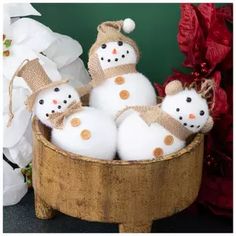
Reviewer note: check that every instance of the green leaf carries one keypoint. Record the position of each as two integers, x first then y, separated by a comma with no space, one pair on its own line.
7,43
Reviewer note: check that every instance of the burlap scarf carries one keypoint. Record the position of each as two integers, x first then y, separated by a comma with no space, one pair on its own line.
99,75
57,118
154,114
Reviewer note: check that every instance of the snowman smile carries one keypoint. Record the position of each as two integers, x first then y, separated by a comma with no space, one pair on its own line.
116,53
116,59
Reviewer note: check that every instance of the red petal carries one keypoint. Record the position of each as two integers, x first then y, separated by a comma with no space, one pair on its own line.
208,13
226,12
160,90
190,36
219,43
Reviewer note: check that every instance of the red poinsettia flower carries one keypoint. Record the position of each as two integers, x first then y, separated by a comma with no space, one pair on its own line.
205,39
203,36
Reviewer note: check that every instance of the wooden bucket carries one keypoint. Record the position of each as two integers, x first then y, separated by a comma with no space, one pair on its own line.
132,194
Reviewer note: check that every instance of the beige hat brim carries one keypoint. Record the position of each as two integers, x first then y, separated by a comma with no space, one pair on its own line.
30,100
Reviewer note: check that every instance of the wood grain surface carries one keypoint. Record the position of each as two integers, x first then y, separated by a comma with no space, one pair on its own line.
132,194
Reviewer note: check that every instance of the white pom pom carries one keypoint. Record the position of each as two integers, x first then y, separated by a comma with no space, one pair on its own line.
128,25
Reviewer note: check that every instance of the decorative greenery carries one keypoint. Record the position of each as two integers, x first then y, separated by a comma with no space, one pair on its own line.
27,172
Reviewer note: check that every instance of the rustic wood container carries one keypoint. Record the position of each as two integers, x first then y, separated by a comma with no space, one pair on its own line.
132,194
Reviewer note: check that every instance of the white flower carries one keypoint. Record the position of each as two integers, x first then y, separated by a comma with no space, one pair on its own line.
14,187
59,54
65,52
13,11
28,39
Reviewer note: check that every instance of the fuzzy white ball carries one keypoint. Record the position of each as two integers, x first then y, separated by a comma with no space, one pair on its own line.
128,25
89,133
138,141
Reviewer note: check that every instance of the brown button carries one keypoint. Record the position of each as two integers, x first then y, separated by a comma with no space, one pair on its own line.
169,139
119,80
124,94
158,152
85,134
75,122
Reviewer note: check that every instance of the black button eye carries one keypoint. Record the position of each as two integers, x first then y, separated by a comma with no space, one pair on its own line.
120,43
202,113
41,101
127,51
102,58
104,46
56,89
59,107
47,115
180,117
69,96
65,101
177,109
109,60
185,124
188,99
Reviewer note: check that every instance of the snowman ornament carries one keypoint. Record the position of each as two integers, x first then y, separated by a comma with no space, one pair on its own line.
75,128
153,132
112,63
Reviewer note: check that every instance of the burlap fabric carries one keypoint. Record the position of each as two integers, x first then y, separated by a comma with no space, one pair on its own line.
57,118
107,32
154,114
37,80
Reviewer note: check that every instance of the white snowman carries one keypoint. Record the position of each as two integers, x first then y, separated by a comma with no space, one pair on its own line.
152,132
81,130
112,64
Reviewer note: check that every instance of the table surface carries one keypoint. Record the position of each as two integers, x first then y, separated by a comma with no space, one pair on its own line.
20,218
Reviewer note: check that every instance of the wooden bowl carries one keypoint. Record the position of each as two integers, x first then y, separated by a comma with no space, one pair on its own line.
132,194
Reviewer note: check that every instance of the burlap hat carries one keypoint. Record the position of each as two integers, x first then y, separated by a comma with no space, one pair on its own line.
37,79
111,31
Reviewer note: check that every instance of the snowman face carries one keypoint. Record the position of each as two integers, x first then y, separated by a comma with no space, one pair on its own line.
55,99
118,53
188,107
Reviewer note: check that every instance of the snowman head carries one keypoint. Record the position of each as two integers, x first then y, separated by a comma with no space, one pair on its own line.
54,99
188,107
112,48
116,53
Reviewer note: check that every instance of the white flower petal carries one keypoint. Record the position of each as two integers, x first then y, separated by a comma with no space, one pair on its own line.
19,95
14,133
50,67
21,153
18,53
14,187
64,50
6,22
76,73
19,9
32,34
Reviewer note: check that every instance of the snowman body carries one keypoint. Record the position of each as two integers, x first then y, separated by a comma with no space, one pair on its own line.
127,89
87,132
117,92
139,141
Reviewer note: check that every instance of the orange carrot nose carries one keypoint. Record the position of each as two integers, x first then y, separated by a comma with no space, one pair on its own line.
54,101
191,116
114,51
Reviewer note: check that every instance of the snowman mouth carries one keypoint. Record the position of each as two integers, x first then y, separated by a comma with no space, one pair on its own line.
116,59
190,125
60,106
